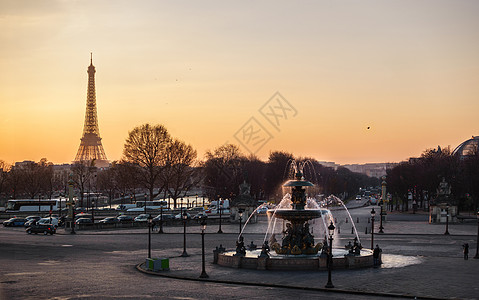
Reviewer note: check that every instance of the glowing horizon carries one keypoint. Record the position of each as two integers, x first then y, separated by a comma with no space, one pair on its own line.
406,70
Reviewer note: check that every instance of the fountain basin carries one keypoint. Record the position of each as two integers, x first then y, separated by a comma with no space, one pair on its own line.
297,215
296,262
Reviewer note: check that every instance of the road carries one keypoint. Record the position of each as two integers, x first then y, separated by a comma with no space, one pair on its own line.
101,264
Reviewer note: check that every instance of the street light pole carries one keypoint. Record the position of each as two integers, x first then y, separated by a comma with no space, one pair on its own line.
373,214
240,219
447,221
145,202
220,208
330,256
381,218
185,217
477,240
71,202
150,219
203,228
161,219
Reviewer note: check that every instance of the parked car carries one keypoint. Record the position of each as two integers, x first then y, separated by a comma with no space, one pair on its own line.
180,216
83,221
125,219
14,222
200,215
41,228
31,220
142,218
109,220
262,210
53,221
166,217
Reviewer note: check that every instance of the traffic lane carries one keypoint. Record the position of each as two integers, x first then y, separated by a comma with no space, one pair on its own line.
45,271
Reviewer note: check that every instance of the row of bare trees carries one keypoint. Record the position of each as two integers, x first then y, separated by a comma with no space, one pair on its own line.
421,176
155,162
29,179
226,167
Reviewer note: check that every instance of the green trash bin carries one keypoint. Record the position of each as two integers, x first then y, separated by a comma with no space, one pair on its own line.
158,264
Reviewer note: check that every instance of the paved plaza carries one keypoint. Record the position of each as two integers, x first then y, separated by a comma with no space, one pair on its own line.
419,261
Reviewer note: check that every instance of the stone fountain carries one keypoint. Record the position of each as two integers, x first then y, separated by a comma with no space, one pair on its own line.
298,238
297,249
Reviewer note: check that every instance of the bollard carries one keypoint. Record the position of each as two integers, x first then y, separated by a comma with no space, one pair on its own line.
335,221
366,230
357,220
339,230
352,230
369,220
346,220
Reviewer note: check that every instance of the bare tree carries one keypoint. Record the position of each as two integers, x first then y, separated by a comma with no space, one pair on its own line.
82,173
4,169
146,147
178,175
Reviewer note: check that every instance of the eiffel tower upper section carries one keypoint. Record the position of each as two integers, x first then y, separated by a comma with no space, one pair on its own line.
90,147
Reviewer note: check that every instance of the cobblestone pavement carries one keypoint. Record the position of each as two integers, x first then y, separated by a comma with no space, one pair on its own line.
419,260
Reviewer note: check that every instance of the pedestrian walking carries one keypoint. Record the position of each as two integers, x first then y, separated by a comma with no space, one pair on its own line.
465,248
376,252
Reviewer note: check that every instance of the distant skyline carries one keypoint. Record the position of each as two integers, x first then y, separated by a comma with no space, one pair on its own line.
359,81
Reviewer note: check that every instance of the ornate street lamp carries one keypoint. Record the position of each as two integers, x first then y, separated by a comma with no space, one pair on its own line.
381,218
240,211
203,228
71,202
373,214
477,240
330,256
150,222
145,201
93,211
220,208
447,221
185,218
161,218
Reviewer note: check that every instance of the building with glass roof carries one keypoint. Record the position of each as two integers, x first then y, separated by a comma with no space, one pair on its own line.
468,147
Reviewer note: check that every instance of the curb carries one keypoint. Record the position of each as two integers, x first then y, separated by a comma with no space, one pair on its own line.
259,284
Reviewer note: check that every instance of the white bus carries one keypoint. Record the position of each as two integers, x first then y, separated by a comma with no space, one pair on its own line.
36,205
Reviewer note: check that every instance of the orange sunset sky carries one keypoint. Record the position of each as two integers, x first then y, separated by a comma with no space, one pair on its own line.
409,70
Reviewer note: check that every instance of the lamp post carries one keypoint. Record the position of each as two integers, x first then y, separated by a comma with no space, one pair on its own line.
240,219
381,218
161,219
150,221
447,221
203,200
220,208
185,218
373,214
71,202
93,211
203,228
145,202
330,256
477,240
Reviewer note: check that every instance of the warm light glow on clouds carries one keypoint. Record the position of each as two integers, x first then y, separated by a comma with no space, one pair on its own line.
407,69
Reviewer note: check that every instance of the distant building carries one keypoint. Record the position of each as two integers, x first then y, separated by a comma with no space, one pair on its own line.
469,147
371,169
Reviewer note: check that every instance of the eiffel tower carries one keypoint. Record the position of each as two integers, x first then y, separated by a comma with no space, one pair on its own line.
90,147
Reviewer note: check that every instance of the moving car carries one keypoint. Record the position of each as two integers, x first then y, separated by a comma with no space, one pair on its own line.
14,222
41,228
